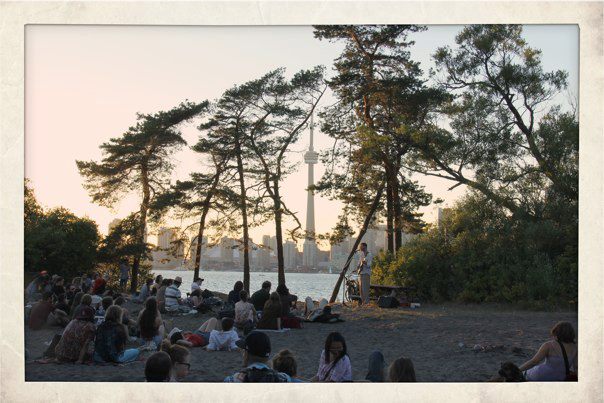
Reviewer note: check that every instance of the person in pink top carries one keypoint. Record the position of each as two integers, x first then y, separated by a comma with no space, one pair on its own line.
334,365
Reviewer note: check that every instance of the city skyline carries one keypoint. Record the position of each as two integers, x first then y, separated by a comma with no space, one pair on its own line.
86,83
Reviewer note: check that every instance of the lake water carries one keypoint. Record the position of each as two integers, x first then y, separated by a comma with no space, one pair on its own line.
314,285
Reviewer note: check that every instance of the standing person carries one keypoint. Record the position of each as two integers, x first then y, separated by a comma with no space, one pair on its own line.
124,273
260,297
256,350
364,270
87,283
334,364
111,337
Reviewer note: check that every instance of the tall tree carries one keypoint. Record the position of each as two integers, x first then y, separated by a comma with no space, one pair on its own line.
281,111
382,101
139,161
507,138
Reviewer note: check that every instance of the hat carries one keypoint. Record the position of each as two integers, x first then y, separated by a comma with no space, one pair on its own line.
84,312
178,279
256,343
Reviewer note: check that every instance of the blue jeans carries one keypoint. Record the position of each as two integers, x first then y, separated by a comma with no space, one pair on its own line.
128,355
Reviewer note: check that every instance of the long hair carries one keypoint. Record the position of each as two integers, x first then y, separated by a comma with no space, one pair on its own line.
331,338
564,332
147,320
238,286
401,370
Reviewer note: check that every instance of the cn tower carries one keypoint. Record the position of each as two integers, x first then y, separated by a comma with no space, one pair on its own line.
309,257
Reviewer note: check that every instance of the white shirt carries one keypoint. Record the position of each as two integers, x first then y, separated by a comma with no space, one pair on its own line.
172,295
364,262
220,340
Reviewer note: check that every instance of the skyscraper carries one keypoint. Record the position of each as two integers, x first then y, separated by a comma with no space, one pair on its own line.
309,257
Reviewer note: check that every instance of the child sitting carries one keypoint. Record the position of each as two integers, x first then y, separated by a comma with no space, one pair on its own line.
223,340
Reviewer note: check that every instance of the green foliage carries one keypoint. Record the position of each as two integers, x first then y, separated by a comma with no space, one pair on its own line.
123,243
480,253
57,240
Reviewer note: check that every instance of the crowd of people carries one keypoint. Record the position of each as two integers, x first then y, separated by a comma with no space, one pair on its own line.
98,327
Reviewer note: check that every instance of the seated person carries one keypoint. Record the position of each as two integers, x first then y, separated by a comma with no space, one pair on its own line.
100,285
61,303
287,300
196,284
150,324
129,323
161,294
223,340
234,295
180,358
245,314
45,312
376,367
158,367
401,370
259,298
285,362
77,337
58,287
75,302
548,364
334,364
174,301
99,316
156,285
271,313
145,291
256,349
111,337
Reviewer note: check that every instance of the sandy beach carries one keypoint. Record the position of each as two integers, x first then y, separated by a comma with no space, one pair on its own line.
447,343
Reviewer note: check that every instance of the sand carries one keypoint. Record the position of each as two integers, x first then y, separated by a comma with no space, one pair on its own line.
447,343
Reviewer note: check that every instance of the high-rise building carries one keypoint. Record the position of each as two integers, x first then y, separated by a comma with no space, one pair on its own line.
114,223
264,256
311,157
226,250
289,254
164,237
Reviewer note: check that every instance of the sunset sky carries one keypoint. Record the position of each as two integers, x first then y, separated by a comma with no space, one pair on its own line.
85,84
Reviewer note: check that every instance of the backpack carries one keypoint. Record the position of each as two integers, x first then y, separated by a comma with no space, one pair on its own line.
263,375
388,302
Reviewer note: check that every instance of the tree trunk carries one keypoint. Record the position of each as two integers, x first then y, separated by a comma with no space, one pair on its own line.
243,208
368,218
398,230
142,226
389,217
202,225
279,234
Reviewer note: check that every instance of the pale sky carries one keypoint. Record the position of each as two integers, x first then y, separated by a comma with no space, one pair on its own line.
85,84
